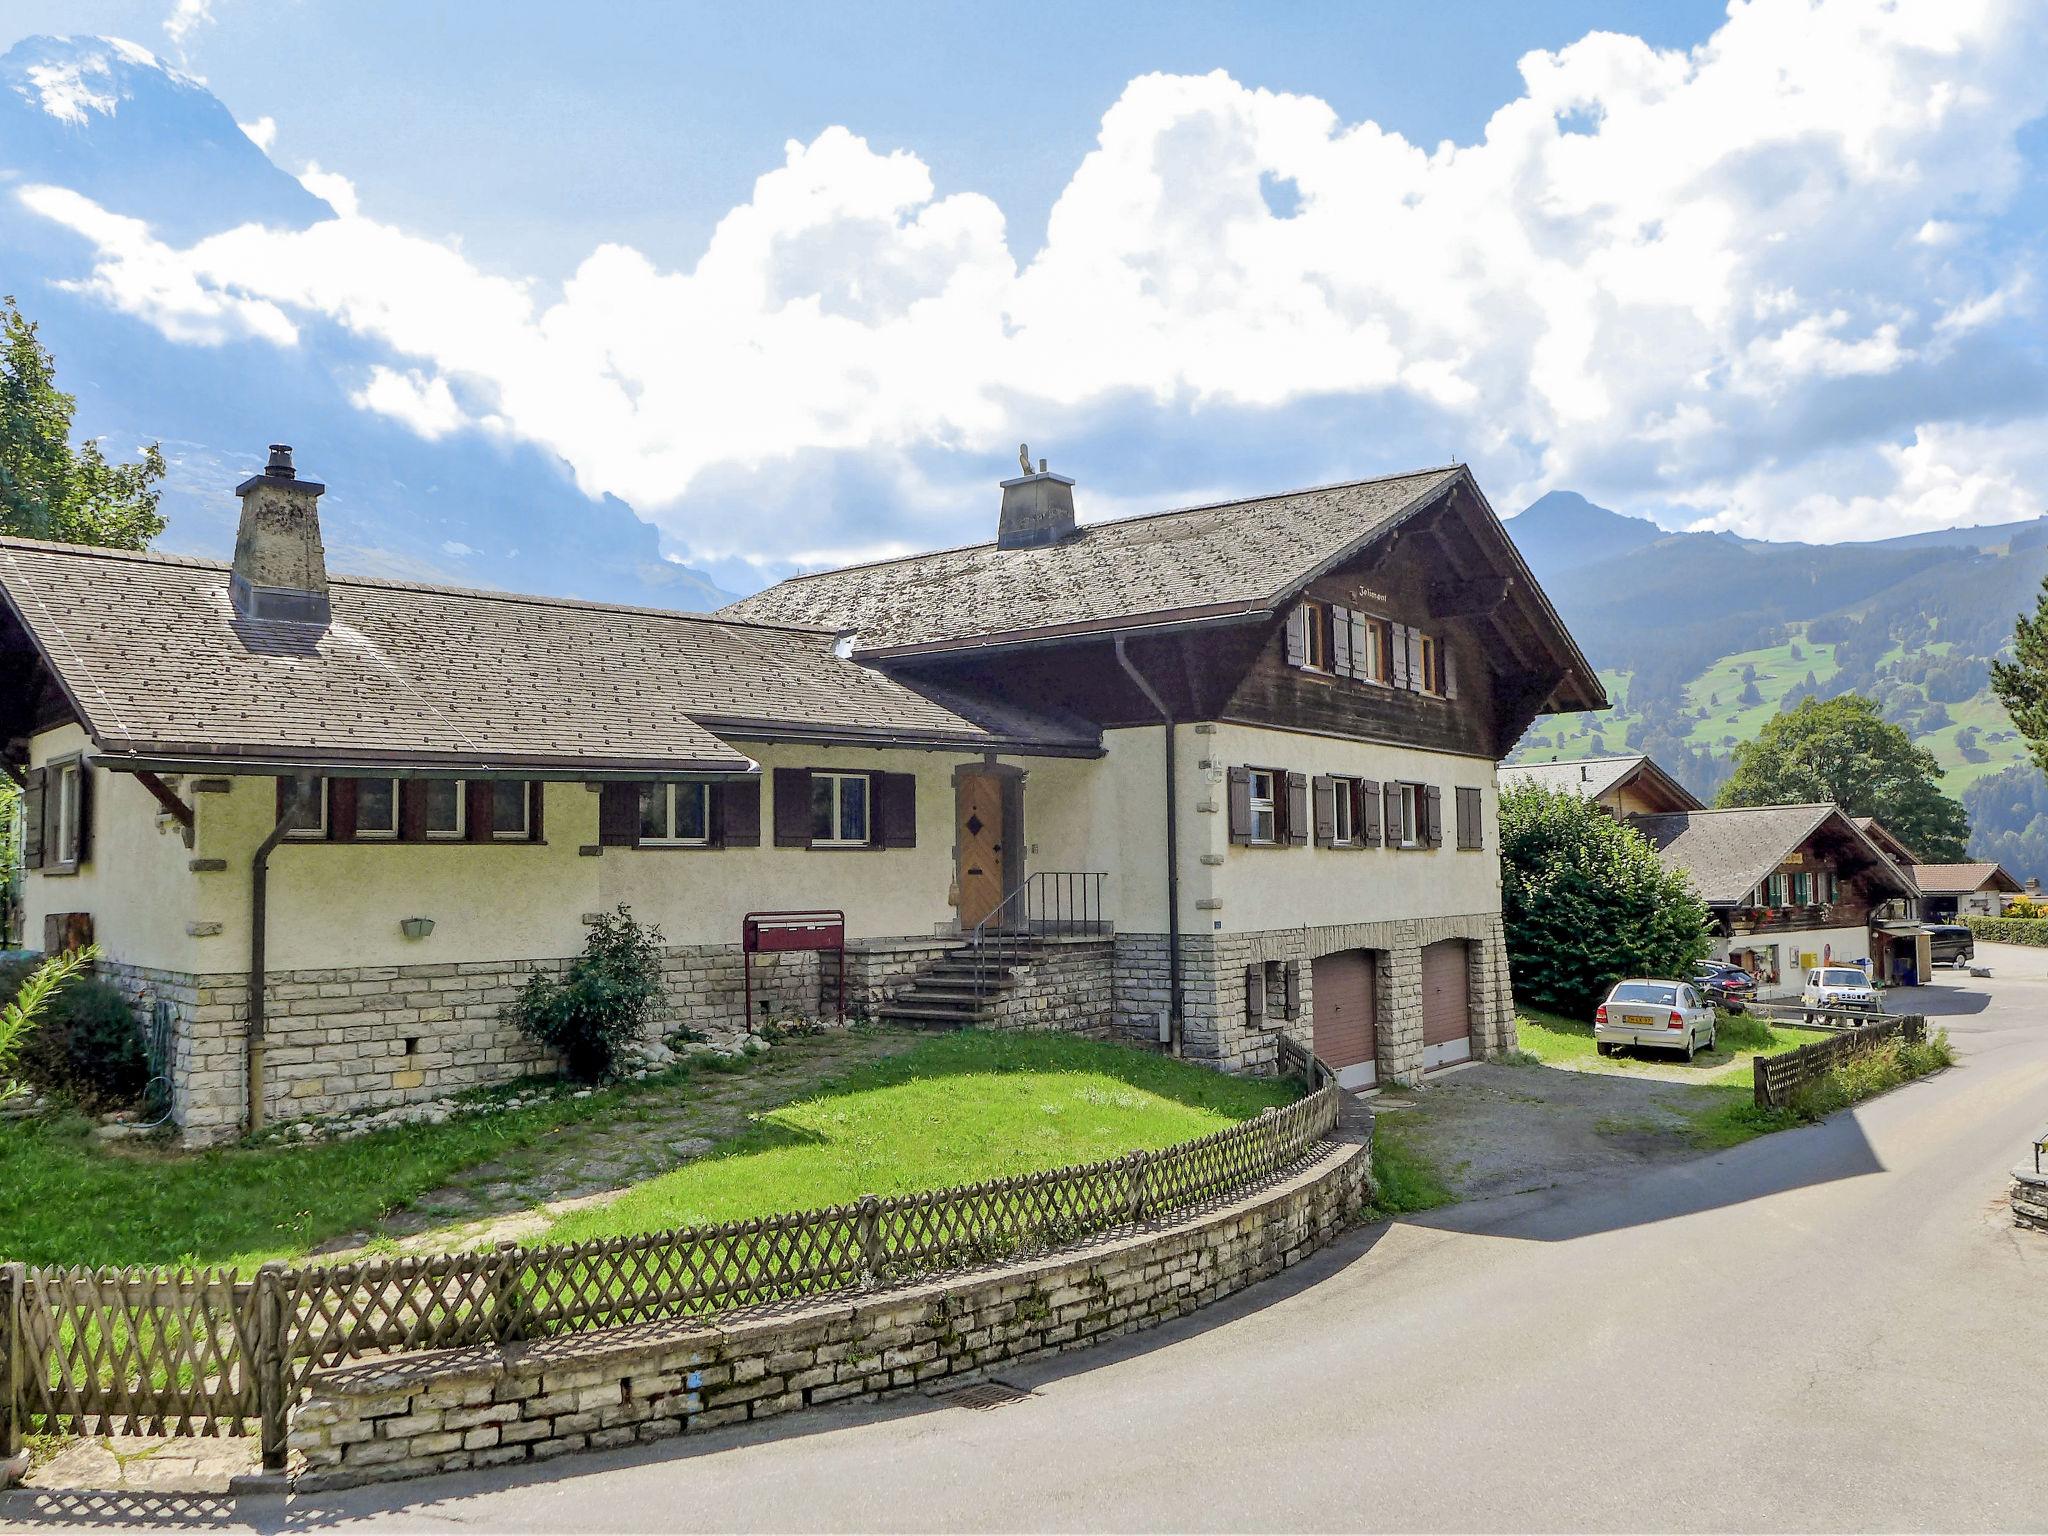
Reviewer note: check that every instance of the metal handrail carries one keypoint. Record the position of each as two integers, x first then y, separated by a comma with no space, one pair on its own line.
1050,903
2040,1147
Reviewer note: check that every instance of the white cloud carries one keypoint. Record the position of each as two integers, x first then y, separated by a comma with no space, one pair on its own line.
187,17
262,133
1654,271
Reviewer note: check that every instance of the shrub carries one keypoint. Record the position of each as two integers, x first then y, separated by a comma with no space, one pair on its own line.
602,1003
90,1047
1585,902
1871,1072
33,987
2010,930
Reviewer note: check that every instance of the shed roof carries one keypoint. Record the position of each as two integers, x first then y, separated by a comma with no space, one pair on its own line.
158,666
1963,879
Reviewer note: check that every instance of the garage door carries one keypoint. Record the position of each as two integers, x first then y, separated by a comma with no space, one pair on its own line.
1446,1005
1343,1026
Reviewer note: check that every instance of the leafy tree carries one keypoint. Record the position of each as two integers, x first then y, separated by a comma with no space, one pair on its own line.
1585,902
1840,749
48,489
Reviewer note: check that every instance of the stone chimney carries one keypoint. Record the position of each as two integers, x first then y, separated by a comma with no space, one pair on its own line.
280,569
1038,507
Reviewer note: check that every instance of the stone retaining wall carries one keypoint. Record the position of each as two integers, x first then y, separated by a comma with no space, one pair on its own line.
1069,985
2030,1199
456,1409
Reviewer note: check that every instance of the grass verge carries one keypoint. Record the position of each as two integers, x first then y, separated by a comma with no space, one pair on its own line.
1869,1073
1403,1181
1556,1041
956,1109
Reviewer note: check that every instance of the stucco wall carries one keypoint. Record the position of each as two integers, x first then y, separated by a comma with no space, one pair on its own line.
1264,888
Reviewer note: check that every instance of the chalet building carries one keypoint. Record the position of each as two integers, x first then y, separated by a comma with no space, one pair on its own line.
1790,886
1198,778
1625,786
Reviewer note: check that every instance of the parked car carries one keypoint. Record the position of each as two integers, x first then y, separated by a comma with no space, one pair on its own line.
1727,986
1951,942
1839,987
1664,1015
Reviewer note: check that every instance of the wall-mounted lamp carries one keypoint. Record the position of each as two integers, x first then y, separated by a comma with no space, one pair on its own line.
415,927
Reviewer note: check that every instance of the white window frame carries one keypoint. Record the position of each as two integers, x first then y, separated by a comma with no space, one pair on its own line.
377,834
1263,805
1411,816
317,832
1318,633
1431,657
669,794
525,830
1344,807
1376,668
69,781
443,835
836,806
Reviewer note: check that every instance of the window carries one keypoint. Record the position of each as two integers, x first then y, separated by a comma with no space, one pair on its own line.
69,811
1320,644
1410,828
1265,821
511,810
1375,663
678,814
839,810
442,802
376,808
1343,804
311,820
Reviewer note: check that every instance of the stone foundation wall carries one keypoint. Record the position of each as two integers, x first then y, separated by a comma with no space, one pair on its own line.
457,1409
1070,985
877,969
1218,1028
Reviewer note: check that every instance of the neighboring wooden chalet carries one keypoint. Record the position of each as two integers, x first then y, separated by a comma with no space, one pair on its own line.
1790,886
1626,786
1199,778
1950,891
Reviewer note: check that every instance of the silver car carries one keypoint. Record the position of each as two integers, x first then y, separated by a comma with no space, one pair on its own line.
1663,1015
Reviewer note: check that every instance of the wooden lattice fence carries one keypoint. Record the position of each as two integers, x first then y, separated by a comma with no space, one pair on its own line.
204,1352
1777,1078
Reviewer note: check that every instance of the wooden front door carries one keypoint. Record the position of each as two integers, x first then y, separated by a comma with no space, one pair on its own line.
978,834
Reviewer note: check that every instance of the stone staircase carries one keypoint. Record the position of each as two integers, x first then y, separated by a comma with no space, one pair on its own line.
957,992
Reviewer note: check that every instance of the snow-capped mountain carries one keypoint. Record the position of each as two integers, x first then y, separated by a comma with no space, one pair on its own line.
105,119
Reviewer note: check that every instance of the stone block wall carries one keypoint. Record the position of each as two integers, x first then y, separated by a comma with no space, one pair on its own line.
1218,1028
458,1409
2030,1199
1070,985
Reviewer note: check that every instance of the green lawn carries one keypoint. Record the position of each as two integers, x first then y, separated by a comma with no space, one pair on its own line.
1560,1042
957,1109
949,1109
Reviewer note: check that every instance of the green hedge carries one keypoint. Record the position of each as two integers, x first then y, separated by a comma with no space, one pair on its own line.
2010,930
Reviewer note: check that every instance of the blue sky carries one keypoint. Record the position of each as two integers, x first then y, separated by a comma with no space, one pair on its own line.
793,281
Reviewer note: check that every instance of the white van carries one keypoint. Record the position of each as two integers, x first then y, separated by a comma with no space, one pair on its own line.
1839,986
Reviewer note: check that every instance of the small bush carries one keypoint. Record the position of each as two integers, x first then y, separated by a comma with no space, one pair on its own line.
2010,930
89,1045
601,1004
1869,1073
32,987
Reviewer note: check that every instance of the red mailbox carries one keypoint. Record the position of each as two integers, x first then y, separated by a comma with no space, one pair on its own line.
772,933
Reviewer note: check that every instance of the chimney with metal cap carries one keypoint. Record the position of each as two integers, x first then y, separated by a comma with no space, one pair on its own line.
280,569
1038,506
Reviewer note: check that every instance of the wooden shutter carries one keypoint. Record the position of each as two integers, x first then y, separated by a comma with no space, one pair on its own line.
1297,635
33,785
1443,665
1397,653
1391,797
1416,680
1367,819
1297,808
479,810
1255,992
618,815
1326,811
736,814
412,810
1468,819
1361,658
84,850
1240,805
895,810
792,807
341,810
1432,815
1340,641
536,803
1291,975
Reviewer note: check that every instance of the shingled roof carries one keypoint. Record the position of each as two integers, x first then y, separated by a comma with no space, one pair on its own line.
1963,879
1198,562
1729,852
159,667
1593,777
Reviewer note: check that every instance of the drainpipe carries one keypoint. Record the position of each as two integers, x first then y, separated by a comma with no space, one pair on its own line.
1173,987
295,795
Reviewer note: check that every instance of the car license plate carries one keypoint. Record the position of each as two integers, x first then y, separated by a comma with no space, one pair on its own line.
1639,1018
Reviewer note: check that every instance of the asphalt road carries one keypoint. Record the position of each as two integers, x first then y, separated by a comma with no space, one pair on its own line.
1829,1328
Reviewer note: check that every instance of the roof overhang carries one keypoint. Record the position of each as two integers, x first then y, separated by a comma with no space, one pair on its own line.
1163,621
340,765
838,736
